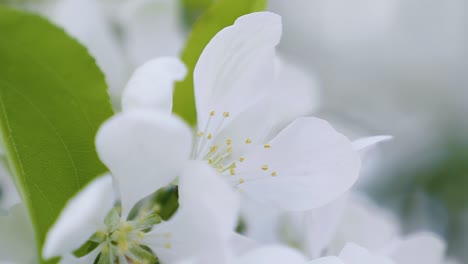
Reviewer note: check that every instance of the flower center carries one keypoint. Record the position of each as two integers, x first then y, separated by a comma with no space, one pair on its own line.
122,239
221,153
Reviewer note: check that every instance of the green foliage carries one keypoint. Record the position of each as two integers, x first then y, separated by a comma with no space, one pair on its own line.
218,16
52,100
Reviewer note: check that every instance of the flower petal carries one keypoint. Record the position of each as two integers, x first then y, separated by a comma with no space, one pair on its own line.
237,66
326,260
354,254
17,236
422,247
306,166
151,85
144,150
151,29
81,218
96,34
203,226
272,254
362,144
295,94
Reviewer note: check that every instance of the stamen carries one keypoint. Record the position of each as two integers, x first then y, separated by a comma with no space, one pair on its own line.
226,114
265,167
232,171
209,136
241,159
168,245
228,141
212,112
267,146
274,174
248,141
241,180
200,134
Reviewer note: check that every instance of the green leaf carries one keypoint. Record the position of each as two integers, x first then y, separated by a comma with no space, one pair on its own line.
52,100
221,14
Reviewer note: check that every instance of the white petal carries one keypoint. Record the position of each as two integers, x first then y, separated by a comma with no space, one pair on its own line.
144,150
96,34
362,144
17,243
82,217
422,247
272,255
295,94
320,226
354,254
366,224
240,244
326,260
202,227
262,221
237,66
151,85
313,164
151,29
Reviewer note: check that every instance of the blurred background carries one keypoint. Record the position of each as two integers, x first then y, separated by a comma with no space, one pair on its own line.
395,67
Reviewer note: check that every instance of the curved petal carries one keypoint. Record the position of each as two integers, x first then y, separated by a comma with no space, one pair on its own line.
237,66
320,226
306,166
326,260
96,34
362,144
422,247
17,236
354,254
144,150
295,94
151,29
152,84
365,224
81,218
88,258
272,254
202,227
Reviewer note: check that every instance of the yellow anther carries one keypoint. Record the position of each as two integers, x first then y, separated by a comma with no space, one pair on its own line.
274,174
228,141
200,134
232,171
220,168
265,167
213,148
210,161
123,245
209,136
226,114
248,141
212,113
267,146
229,150
168,245
241,159
241,180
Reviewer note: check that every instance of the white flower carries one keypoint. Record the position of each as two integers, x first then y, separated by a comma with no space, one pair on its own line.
273,254
17,243
354,254
145,150
306,165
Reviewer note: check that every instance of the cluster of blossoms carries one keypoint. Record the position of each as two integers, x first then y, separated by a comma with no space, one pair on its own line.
289,186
